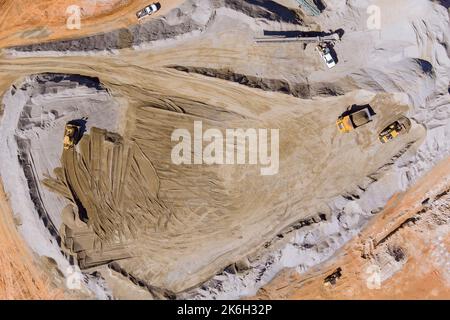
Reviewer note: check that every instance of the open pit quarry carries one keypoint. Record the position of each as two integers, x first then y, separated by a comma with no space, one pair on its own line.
115,217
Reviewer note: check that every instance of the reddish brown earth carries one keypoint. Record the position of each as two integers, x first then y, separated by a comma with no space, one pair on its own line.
27,22
20,278
425,244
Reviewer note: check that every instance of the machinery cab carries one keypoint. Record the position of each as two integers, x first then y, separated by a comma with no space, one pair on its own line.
344,124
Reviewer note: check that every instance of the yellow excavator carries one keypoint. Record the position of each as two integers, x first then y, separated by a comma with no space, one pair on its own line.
70,135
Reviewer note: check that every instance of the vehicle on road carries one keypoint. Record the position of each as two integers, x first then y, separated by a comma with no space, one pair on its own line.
351,120
148,10
325,53
396,128
71,133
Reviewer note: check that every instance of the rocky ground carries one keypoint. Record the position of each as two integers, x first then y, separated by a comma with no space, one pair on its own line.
119,206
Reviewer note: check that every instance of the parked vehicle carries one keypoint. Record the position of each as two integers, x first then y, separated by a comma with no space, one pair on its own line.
325,53
148,10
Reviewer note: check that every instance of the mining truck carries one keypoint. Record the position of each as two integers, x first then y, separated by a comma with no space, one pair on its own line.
396,128
352,120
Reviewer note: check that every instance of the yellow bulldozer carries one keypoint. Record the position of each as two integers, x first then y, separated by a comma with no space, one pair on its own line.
71,132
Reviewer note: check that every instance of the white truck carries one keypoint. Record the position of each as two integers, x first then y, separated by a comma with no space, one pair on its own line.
325,53
148,10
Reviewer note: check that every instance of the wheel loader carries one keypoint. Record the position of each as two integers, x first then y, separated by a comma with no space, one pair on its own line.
396,128
71,132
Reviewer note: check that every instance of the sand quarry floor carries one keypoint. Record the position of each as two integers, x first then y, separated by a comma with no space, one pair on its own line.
118,204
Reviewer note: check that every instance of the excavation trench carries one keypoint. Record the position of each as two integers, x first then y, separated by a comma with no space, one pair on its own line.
299,90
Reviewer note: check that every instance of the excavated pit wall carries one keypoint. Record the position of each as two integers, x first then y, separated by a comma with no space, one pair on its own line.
32,129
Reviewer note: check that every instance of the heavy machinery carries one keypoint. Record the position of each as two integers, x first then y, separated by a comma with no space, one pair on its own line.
324,41
325,53
396,128
71,133
327,38
351,120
